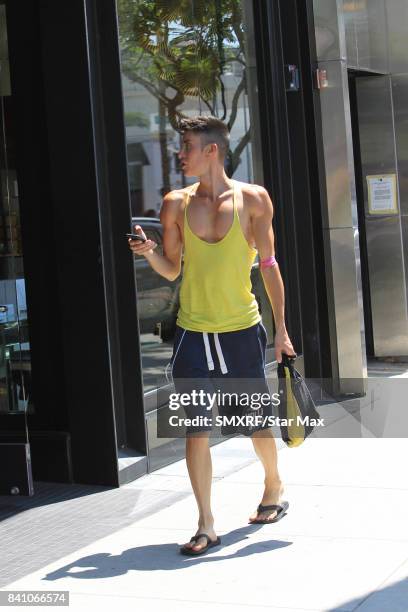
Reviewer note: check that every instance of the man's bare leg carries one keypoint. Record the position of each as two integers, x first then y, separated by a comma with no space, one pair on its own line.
265,447
199,465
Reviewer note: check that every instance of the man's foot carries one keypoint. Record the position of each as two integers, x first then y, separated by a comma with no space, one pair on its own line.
202,542
188,550
272,495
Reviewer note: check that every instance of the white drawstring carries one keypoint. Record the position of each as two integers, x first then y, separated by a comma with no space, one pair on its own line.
218,348
208,351
208,355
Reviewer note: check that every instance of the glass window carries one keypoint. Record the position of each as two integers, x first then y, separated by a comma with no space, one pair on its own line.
182,58
15,357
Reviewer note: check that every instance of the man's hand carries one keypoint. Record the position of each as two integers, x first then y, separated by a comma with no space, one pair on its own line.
283,344
141,248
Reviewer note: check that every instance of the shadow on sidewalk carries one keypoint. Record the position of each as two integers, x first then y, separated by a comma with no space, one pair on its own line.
162,557
393,597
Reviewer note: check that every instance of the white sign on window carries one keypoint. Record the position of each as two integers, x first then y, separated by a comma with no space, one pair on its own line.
382,194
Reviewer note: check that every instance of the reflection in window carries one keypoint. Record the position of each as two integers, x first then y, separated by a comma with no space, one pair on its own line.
15,357
181,58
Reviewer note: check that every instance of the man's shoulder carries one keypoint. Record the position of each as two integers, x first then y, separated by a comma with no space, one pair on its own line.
173,204
254,196
176,197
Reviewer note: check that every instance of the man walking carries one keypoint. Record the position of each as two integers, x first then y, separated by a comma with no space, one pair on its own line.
220,224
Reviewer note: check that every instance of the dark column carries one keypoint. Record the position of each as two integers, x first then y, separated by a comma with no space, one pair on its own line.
298,48
115,221
276,155
310,142
291,170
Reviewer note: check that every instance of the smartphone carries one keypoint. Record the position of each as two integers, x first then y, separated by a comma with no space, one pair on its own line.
136,237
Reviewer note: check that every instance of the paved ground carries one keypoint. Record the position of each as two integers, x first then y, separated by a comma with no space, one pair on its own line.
342,546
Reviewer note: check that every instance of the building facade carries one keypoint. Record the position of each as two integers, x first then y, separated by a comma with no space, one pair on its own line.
314,95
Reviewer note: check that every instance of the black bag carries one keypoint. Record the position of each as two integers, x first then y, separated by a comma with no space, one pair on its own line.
296,403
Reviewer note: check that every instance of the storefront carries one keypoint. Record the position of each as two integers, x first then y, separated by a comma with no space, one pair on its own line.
91,146
96,103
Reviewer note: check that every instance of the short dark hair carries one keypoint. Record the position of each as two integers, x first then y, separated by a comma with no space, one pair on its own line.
211,129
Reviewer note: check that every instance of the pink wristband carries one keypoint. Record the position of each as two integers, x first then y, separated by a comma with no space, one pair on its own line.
268,262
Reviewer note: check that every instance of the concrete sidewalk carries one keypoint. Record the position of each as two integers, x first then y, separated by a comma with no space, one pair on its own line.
343,544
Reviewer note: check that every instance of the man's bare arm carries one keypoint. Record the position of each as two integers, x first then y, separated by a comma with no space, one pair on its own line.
261,219
168,264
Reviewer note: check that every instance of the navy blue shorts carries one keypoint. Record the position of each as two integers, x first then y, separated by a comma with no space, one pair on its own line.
231,367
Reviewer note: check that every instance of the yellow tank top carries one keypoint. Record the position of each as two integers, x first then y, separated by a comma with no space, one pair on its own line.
216,291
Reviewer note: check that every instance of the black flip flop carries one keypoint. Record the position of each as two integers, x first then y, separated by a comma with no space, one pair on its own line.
193,553
281,508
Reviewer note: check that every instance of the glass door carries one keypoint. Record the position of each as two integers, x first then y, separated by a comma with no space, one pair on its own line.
15,367
178,60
